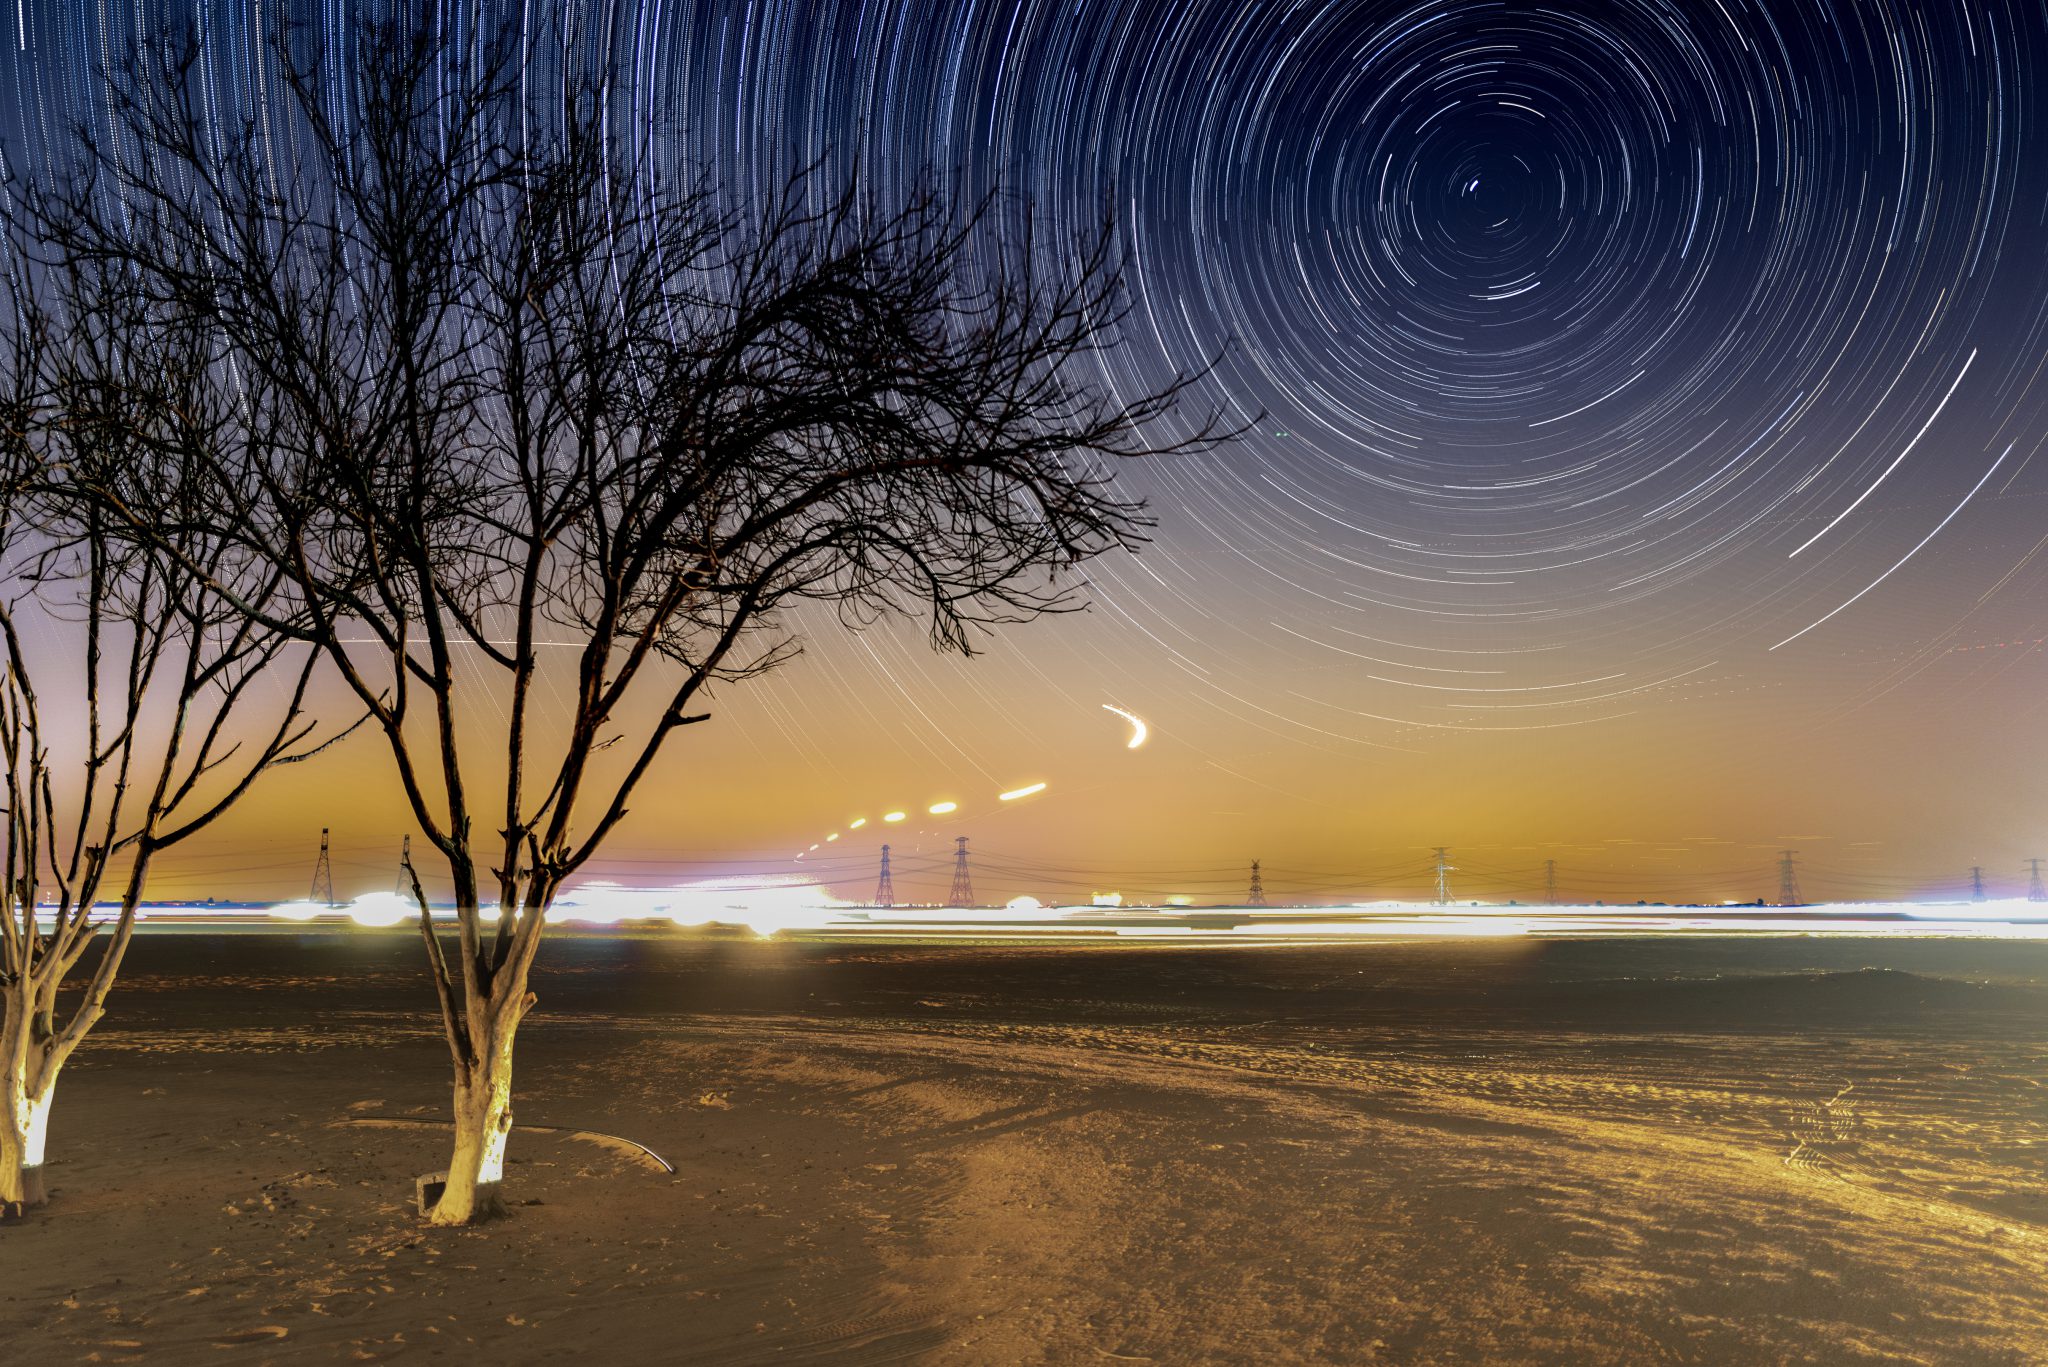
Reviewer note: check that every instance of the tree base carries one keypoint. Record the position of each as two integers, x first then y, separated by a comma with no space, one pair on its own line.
428,1187
33,1194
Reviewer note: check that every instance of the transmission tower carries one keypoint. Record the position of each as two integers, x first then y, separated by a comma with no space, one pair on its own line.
1550,882
1257,896
962,893
404,885
1788,879
885,888
323,875
2035,892
1443,876
1976,883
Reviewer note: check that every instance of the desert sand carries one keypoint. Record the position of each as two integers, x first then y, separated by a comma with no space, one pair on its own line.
1698,1151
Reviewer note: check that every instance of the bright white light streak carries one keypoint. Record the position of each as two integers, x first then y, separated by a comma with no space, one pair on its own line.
894,816
941,808
1909,554
1544,422
381,909
1888,470
1016,793
1139,731
856,823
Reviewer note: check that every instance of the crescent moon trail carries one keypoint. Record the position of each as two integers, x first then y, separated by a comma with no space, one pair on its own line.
1139,731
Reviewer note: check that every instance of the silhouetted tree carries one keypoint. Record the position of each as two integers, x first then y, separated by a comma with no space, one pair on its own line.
150,720
518,382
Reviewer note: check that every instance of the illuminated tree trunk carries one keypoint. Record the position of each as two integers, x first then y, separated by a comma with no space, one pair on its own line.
483,1116
27,1082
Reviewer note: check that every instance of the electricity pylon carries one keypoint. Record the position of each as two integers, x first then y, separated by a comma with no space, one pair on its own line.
1550,882
1257,896
1976,883
323,876
2035,892
885,887
962,893
1788,879
1443,876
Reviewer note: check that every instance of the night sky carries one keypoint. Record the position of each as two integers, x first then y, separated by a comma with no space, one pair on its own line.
1647,469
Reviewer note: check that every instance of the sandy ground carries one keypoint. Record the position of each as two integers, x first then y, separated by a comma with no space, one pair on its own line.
1579,1153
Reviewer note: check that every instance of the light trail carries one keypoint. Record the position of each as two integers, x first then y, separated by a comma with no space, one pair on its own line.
1139,731
804,910
1895,460
1908,555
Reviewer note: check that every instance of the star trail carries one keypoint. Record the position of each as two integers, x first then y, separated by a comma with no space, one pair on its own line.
1644,412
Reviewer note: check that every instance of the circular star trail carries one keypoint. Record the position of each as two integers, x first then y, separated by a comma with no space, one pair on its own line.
1592,351
1597,360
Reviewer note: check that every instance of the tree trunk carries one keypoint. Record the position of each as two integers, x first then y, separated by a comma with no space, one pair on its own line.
483,1123
25,1093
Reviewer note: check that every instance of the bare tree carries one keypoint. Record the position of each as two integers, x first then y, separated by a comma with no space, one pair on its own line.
179,712
519,384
